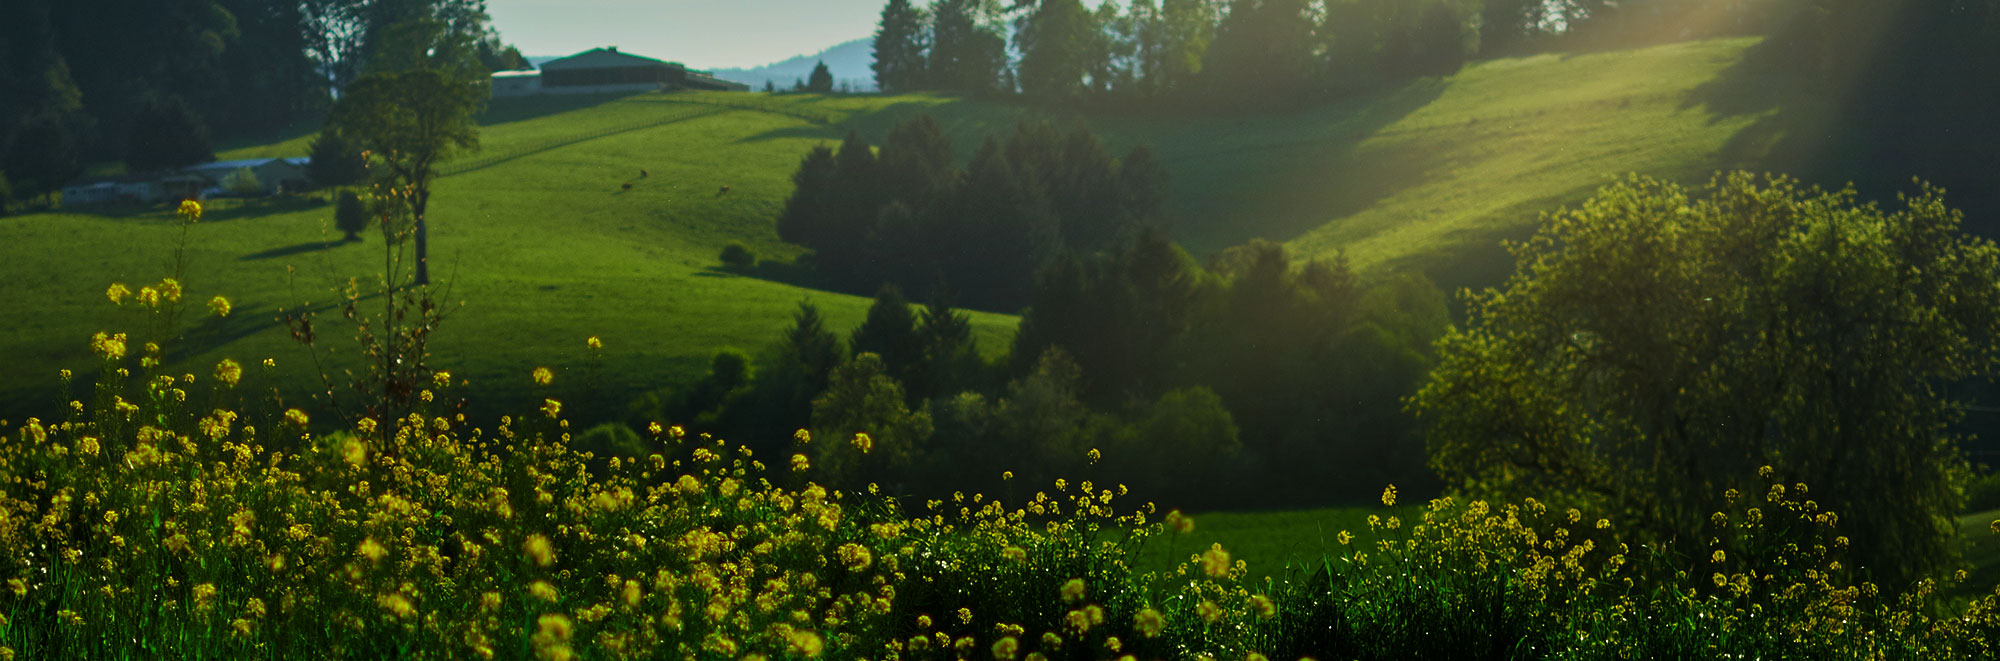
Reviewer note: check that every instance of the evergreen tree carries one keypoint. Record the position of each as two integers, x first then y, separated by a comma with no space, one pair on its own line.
917,164
899,48
805,220
950,358
350,215
821,81
890,332
966,56
166,135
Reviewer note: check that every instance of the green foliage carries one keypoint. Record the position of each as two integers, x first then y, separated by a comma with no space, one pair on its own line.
243,182
1055,41
415,108
821,81
1184,442
738,256
612,439
350,215
336,161
866,434
42,156
899,48
1657,345
166,135
890,333
967,54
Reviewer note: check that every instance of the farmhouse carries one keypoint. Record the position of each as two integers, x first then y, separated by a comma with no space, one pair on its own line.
605,69
274,175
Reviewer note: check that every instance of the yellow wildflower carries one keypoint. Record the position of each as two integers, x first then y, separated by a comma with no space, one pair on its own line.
170,289
297,417
371,550
1215,561
229,372
397,605
1389,496
219,306
1149,622
1005,648
800,463
1072,591
808,644
543,376
117,293
551,408
538,549
1265,608
543,591
189,210
111,347
594,343
863,442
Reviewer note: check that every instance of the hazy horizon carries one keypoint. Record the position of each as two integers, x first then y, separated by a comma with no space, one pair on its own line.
720,34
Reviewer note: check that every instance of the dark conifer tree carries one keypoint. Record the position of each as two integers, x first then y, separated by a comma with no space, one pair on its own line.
899,48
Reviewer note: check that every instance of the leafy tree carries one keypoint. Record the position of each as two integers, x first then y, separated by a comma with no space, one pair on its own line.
770,87
1657,345
1055,42
166,135
42,156
413,111
1510,26
336,161
899,48
861,398
1263,50
1187,30
350,215
242,181
821,81
1182,444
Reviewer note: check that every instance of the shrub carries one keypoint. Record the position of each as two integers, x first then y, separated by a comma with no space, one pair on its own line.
738,256
350,215
242,181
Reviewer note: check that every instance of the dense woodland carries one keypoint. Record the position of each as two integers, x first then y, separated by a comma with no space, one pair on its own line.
154,84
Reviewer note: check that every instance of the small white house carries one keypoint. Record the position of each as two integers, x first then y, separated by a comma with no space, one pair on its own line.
277,175
516,83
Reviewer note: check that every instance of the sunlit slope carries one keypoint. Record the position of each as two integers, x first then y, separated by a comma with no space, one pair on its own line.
1427,175
535,236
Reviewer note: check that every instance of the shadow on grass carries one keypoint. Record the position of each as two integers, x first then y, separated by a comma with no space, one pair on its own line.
524,108
287,251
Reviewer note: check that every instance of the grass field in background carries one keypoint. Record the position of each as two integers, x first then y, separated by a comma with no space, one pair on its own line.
537,239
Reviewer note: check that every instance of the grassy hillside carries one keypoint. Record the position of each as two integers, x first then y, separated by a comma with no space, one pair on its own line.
537,239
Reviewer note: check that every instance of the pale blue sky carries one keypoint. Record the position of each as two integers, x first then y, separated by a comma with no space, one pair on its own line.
707,34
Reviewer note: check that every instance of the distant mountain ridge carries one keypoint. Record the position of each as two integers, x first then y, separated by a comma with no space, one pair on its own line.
850,63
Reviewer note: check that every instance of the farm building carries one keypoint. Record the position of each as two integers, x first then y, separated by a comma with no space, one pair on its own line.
516,83
607,70
132,188
276,174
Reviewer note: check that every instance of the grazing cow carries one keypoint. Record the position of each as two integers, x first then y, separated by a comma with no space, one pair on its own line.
628,186
724,191
643,173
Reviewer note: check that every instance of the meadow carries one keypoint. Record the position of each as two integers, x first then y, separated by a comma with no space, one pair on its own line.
538,240
194,501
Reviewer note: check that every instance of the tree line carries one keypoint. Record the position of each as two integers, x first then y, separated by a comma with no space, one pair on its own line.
1249,52
908,215
151,83
1191,380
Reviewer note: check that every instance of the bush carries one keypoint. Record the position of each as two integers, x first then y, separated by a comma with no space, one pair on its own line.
738,256
242,182
350,215
612,439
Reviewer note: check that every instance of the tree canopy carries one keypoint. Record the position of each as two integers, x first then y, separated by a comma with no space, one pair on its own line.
1659,345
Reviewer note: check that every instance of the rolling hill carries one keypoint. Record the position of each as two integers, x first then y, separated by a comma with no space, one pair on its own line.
539,245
